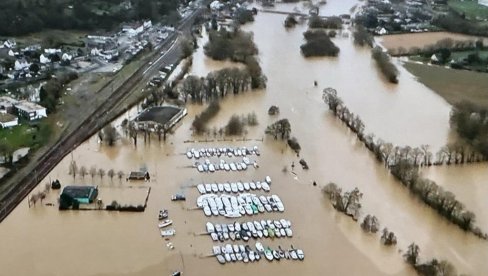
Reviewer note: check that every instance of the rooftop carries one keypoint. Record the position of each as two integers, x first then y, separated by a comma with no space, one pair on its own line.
158,114
5,117
7,101
28,106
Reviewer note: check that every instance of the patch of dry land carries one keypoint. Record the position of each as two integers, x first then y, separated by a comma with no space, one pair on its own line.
420,40
453,85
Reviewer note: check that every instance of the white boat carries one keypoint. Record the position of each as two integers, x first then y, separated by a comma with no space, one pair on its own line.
168,233
244,166
293,254
246,186
284,223
196,154
258,185
265,186
211,168
289,233
227,257
201,188
226,167
233,166
220,259
164,223
268,254
240,187
246,160
189,155
210,227
214,236
252,185
268,179
200,168
248,210
221,187
252,258
259,247
214,187
233,187
227,188
283,232
276,255
255,164
208,188
239,167
239,257
300,254
206,211
216,250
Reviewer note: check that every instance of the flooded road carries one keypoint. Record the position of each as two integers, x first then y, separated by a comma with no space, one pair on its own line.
105,243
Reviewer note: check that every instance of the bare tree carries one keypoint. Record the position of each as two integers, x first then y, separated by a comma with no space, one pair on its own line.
120,175
101,173
73,169
93,172
111,174
83,171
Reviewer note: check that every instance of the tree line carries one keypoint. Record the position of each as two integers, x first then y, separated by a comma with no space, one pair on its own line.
432,267
237,46
404,162
458,24
216,85
23,17
349,203
362,37
383,61
199,124
318,43
446,43
333,22
51,91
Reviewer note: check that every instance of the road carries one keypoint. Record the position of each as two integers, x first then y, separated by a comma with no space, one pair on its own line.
103,113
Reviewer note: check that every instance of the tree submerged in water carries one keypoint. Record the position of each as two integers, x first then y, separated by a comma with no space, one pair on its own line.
347,202
280,129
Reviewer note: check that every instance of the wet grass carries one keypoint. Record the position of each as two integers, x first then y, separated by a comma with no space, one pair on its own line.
453,85
50,38
26,136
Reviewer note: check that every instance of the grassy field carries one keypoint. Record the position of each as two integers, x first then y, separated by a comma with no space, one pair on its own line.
470,8
453,85
25,135
50,38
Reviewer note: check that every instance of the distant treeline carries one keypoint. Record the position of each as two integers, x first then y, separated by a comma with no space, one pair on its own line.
404,162
457,24
18,17
386,66
362,37
446,43
318,43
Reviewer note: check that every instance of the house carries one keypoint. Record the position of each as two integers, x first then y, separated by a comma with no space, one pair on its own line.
8,120
20,64
44,60
7,105
83,194
30,111
133,29
9,44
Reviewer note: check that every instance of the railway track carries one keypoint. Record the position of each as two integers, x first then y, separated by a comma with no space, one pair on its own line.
94,122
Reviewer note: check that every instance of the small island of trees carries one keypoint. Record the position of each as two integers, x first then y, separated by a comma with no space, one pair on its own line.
318,43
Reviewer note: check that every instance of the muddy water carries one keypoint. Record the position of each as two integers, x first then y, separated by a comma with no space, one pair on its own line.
43,241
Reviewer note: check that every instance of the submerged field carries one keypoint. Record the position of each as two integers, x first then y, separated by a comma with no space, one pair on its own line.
453,85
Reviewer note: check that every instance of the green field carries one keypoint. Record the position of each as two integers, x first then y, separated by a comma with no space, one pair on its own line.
470,8
453,85
25,135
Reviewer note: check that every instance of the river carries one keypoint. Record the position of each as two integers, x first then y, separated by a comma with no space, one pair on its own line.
43,241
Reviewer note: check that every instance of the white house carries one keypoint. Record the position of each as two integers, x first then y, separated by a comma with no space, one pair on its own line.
8,120
133,29
30,111
21,64
43,59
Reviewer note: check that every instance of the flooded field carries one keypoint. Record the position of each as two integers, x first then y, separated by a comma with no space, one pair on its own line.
407,41
112,243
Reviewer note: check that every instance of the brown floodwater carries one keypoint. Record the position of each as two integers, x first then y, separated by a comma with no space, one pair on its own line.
43,241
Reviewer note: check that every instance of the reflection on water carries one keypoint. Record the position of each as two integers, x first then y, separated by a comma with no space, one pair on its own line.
104,243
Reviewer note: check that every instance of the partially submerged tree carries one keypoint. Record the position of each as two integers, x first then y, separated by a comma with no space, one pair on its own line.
370,224
280,129
388,237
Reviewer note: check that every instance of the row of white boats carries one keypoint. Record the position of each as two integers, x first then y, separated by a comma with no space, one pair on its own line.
244,253
225,151
250,229
234,187
208,166
231,206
